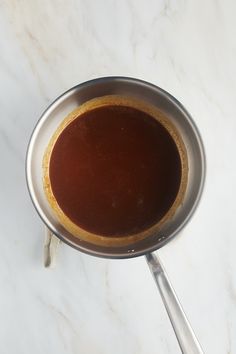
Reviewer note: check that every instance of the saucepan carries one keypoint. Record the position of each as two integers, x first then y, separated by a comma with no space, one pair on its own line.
189,133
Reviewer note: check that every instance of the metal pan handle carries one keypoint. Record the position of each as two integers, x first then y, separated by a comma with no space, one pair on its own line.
184,333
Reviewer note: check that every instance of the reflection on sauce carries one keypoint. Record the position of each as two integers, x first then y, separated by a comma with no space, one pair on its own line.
115,171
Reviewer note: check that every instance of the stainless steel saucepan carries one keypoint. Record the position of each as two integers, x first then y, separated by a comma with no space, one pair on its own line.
183,122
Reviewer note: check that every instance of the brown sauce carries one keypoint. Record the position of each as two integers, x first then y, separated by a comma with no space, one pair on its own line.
115,171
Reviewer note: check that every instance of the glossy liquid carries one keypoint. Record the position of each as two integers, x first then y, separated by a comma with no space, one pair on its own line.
115,171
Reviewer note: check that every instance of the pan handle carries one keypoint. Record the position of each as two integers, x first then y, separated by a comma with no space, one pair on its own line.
184,333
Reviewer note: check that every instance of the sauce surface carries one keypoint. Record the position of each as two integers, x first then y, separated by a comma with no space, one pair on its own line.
115,171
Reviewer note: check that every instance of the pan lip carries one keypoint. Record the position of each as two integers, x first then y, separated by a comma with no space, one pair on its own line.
99,253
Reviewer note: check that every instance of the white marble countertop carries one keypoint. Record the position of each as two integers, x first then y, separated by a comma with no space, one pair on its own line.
96,306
